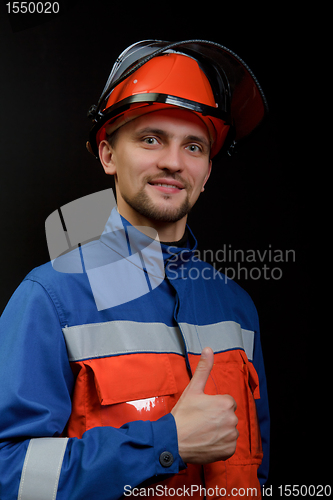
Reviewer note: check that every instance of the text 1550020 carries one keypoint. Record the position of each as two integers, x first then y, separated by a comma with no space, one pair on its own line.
33,7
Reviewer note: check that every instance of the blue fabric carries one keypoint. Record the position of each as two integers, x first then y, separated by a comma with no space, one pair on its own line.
37,381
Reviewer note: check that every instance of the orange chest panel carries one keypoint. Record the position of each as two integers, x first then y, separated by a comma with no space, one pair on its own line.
119,389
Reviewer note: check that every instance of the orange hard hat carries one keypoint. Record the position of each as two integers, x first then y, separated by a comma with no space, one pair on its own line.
166,75
199,76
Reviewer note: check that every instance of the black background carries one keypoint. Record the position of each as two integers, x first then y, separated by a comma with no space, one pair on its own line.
53,67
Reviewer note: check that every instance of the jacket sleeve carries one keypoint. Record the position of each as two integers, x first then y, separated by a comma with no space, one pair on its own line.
36,382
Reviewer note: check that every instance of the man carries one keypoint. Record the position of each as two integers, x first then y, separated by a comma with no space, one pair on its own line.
125,376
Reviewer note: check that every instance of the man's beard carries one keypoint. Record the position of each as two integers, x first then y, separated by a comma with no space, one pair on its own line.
142,204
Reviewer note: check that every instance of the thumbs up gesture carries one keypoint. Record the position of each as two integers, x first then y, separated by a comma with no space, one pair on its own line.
206,425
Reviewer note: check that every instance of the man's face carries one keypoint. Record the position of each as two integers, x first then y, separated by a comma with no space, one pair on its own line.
161,164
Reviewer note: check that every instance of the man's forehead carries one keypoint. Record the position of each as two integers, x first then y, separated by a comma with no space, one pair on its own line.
170,122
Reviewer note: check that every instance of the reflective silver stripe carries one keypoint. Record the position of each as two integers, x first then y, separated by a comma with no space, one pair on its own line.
248,342
121,337
41,469
126,337
221,336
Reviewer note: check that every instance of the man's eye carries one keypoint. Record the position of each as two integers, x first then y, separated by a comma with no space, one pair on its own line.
150,140
194,148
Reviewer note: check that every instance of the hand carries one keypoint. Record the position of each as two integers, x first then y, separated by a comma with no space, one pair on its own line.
206,425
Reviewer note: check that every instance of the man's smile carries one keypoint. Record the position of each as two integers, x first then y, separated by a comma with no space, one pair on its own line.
168,186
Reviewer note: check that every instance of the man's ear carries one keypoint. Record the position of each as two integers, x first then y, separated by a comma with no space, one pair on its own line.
207,176
106,157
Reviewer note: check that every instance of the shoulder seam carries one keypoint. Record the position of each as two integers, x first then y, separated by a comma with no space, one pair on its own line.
53,298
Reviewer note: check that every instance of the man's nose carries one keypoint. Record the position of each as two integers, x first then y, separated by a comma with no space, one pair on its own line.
171,158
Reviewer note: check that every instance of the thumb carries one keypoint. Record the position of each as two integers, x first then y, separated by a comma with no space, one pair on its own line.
198,382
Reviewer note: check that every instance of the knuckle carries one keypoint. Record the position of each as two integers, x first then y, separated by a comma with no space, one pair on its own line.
230,450
229,402
234,448
236,435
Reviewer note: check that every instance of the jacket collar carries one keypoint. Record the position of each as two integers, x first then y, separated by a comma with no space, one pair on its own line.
126,240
